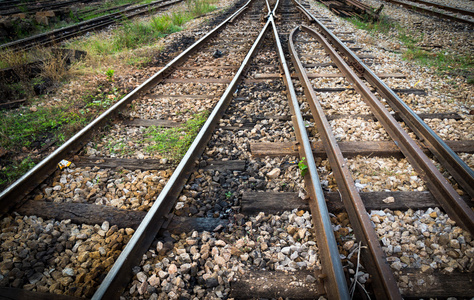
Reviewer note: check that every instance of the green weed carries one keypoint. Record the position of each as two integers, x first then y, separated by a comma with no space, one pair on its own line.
110,74
199,7
443,62
27,129
303,167
383,25
165,24
173,143
11,172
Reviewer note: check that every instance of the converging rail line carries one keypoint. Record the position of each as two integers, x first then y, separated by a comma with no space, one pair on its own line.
205,227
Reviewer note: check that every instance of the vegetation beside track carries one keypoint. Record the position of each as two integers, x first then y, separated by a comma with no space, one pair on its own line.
441,61
29,26
27,133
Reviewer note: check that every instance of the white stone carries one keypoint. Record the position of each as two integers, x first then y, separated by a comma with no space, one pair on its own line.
274,173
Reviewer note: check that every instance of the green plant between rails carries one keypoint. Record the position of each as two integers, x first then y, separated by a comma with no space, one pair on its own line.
172,143
303,166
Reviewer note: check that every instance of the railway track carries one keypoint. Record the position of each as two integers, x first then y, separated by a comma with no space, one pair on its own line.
14,8
55,36
216,227
441,11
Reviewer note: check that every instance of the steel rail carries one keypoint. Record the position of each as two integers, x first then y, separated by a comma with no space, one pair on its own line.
384,283
448,198
43,6
61,34
460,171
431,12
14,194
446,7
146,232
335,283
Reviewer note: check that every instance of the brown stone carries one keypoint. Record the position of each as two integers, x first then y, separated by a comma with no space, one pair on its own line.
42,20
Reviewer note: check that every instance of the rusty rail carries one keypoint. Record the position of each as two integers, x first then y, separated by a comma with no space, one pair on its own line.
431,12
385,286
57,35
446,7
146,232
14,194
449,199
460,171
438,185
335,282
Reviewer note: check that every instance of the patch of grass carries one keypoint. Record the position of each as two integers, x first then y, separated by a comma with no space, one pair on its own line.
383,25
200,7
179,19
165,24
135,34
52,69
138,62
28,129
11,172
172,143
25,127
443,62
470,79
132,35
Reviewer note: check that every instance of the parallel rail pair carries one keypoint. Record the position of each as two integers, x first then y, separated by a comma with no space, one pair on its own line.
442,15
55,36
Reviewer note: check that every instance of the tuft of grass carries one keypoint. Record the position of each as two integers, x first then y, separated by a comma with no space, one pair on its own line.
200,7
172,143
383,25
165,24
50,66
443,62
303,166
179,19
110,74
16,169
